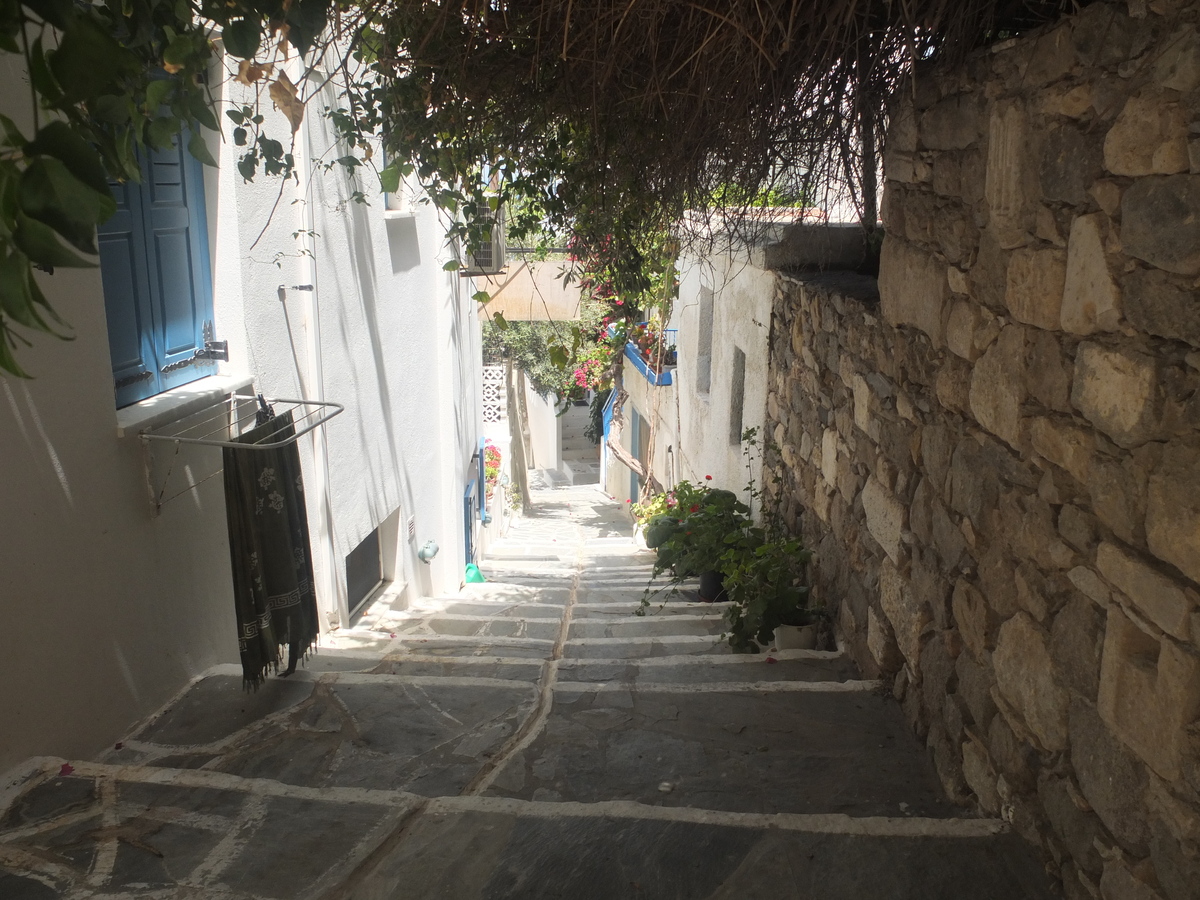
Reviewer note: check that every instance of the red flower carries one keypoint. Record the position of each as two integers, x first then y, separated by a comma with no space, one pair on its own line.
695,508
708,478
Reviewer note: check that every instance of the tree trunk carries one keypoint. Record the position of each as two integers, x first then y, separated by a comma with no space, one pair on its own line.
614,442
516,443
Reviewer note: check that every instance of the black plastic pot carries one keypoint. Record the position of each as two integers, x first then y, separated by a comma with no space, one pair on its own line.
712,587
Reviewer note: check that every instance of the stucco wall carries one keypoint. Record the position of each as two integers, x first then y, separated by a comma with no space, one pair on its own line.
110,610
742,292
998,462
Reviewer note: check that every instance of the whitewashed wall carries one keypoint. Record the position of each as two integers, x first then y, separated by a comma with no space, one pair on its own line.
108,610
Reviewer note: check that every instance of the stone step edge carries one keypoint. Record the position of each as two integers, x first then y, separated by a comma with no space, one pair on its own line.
17,780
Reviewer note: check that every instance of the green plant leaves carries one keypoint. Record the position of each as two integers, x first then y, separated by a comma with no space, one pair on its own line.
242,38
57,140
39,243
89,61
199,149
50,194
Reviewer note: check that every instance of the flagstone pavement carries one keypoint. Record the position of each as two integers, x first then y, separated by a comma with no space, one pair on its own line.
525,738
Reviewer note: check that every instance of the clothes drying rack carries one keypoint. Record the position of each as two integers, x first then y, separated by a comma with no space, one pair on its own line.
222,423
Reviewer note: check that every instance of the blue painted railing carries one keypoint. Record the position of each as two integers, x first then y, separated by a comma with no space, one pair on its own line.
655,378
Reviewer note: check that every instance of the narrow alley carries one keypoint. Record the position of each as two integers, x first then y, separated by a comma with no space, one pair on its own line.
526,738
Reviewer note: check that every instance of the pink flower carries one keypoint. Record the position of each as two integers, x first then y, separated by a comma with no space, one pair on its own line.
66,770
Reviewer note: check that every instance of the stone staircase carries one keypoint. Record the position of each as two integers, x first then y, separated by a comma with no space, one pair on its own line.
580,457
525,738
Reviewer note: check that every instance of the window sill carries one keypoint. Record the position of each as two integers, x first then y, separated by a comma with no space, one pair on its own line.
178,403
392,214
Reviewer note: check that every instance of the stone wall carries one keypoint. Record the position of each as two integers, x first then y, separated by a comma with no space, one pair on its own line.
997,459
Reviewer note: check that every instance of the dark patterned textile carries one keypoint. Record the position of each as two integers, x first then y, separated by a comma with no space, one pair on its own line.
269,549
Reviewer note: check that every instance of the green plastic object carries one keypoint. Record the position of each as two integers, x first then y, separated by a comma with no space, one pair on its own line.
474,576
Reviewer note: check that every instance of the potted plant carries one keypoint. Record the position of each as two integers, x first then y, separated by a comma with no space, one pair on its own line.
760,569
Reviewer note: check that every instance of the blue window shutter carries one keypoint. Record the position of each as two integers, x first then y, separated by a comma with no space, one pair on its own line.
127,304
155,267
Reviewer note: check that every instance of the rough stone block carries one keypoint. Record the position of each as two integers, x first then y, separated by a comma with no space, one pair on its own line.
1071,160
1156,304
886,518
971,615
1118,494
1015,757
1149,693
975,680
1048,374
1173,509
1076,642
998,387
1065,444
980,778
1090,585
829,456
1025,677
1117,391
913,289
1076,527
1159,222
862,402
1034,286
1078,829
1111,778
1120,883
1032,592
1091,299
1053,56
1157,597
1007,187
973,490
1177,67
1149,136
1069,102
953,385
952,124
908,616
881,642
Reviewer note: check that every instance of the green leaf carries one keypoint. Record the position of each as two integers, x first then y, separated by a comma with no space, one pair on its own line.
499,321
40,244
242,38
12,134
200,151
482,297
52,195
158,91
56,139
389,178
180,49
161,132
56,12
8,362
40,75
89,62
451,266
201,111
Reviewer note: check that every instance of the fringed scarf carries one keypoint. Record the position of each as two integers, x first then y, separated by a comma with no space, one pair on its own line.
273,591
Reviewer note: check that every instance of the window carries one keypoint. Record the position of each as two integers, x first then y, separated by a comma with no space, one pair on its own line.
364,571
704,332
157,285
737,396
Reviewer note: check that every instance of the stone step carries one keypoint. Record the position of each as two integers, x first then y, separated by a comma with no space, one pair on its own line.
791,665
646,626
628,851
799,751
639,648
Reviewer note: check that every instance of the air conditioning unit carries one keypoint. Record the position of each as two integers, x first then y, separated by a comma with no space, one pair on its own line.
489,257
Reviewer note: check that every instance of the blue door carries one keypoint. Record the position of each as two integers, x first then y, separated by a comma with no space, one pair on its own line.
154,264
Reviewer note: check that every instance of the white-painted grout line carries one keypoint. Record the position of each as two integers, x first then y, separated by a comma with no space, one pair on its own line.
533,726
813,823
818,823
718,687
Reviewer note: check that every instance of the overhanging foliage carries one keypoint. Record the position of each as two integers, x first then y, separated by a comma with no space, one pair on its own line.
606,119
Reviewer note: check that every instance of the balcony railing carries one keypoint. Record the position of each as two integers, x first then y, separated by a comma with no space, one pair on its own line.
670,339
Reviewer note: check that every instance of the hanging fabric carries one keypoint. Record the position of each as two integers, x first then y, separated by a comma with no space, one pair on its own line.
269,549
